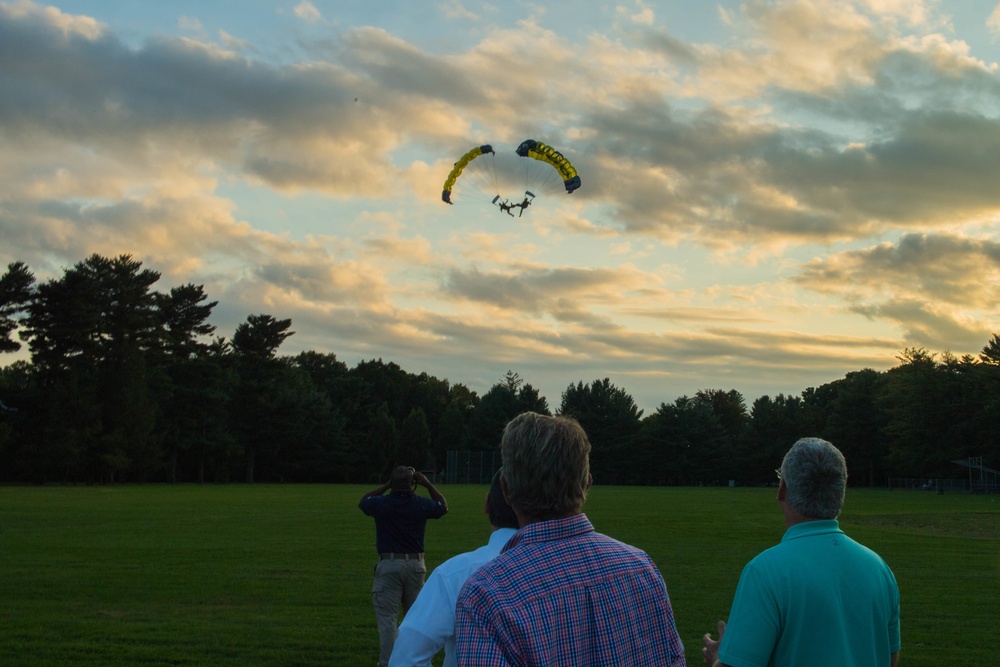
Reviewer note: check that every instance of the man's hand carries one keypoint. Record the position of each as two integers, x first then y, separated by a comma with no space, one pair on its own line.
421,478
711,650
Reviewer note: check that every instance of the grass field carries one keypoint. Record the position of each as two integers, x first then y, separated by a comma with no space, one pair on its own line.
281,575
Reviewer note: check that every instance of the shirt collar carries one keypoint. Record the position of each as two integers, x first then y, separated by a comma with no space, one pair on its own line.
501,536
809,528
554,529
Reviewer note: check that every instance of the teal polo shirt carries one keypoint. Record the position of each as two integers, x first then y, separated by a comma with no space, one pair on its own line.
817,598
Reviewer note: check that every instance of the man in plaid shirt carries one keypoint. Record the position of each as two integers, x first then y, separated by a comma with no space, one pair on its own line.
560,593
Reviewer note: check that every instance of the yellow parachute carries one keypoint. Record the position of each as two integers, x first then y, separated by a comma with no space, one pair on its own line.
539,151
449,182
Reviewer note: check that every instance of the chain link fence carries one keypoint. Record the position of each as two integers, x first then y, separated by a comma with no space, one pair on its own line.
925,484
469,467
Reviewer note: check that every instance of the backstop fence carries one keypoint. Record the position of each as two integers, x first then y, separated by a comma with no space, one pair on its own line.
478,467
944,485
926,484
469,467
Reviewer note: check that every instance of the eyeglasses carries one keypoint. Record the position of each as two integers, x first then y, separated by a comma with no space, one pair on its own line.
777,471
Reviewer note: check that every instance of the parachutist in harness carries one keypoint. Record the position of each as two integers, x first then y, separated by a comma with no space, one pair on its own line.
525,204
505,207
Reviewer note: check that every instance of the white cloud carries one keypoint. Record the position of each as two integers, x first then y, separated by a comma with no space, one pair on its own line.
66,24
993,22
911,12
456,9
233,42
307,12
642,14
189,24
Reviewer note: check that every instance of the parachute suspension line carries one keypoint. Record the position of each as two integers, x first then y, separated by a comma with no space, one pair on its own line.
540,177
491,177
482,181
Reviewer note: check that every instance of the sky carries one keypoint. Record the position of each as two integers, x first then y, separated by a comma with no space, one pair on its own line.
774,193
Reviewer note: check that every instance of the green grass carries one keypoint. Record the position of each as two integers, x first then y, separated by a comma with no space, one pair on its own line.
281,575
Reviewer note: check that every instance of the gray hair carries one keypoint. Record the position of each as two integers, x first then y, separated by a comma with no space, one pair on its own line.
815,476
401,480
546,465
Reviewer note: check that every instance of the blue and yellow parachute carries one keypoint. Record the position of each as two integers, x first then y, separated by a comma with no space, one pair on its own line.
539,151
449,182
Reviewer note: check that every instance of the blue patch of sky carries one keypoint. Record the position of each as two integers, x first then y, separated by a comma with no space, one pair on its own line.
969,18
297,216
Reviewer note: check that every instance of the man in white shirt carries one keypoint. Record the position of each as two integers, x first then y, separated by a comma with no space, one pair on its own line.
429,625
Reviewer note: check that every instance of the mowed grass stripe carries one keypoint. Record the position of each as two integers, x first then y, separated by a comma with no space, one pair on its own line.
281,575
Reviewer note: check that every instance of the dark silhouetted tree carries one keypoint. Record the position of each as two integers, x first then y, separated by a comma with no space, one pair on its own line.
680,444
504,401
184,315
856,425
414,440
611,419
260,336
383,444
16,290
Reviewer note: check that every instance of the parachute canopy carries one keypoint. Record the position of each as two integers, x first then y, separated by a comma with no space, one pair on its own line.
449,182
539,151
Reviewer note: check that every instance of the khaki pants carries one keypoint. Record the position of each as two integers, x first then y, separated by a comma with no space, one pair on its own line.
396,585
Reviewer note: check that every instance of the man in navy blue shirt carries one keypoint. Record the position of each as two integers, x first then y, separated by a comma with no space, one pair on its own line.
400,518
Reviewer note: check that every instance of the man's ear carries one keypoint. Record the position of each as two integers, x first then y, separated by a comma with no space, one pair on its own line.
503,489
782,491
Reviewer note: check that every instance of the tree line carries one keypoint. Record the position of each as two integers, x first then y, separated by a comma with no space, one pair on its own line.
129,384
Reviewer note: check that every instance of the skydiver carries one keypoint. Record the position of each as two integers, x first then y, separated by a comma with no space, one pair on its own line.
525,204
505,207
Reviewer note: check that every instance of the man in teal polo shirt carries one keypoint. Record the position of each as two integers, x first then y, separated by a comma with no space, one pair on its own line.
818,598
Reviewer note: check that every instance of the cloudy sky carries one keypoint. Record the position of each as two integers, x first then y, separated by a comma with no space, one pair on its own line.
775,193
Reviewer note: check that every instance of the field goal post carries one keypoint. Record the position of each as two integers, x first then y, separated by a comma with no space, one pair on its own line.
471,467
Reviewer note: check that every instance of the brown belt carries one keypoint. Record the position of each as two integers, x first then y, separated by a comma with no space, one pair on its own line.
401,556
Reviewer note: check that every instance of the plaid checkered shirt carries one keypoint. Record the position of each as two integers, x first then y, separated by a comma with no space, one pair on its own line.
562,594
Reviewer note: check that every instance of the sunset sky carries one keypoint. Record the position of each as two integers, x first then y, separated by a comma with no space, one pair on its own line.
774,193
